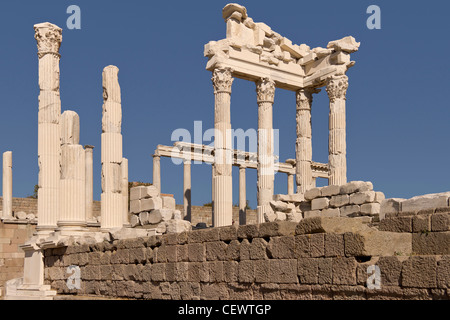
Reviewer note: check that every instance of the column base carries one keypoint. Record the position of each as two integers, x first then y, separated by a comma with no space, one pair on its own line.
16,290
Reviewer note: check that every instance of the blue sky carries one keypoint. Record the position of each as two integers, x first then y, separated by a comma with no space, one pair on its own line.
397,101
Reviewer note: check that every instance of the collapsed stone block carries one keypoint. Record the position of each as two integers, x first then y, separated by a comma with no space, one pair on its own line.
319,203
168,202
427,201
356,186
362,197
151,204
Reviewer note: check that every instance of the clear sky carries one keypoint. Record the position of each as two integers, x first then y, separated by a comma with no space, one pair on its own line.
398,111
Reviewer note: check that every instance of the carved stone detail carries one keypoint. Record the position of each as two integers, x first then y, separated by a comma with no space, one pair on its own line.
48,37
265,90
337,87
222,80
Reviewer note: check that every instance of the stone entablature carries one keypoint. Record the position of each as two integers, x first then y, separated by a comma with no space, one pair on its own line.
253,50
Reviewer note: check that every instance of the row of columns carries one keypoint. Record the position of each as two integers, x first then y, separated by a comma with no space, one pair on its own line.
336,88
65,193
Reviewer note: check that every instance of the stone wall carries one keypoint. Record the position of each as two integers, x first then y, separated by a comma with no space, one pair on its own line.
11,256
317,258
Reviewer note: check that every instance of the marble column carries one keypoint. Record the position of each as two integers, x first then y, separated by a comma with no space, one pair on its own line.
337,158
89,161
124,167
187,189
72,187
265,89
242,196
49,38
7,185
303,145
157,171
290,183
212,192
223,154
111,151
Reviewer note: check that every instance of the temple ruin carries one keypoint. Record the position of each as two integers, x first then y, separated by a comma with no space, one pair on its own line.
316,243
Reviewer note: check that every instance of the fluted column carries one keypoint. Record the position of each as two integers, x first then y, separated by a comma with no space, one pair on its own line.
72,188
187,189
303,145
157,171
7,185
48,37
265,89
242,196
89,161
124,167
337,89
223,158
111,197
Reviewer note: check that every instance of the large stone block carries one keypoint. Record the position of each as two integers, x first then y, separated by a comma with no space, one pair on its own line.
178,226
151,204
419,272
344,271
362,197
329,191
431,243
372,242
278,228
149,192
281,247
135,206
319,203
440,222
330,225
339,200
168,202
350,211
370,209
356,186
396,224
312,193
427,201
334,245
283,271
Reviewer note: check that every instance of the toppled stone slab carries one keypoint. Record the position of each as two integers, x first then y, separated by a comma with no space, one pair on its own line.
178,226
371,242
427,201
331,225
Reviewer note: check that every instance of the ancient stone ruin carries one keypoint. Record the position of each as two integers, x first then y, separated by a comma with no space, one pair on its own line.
340,241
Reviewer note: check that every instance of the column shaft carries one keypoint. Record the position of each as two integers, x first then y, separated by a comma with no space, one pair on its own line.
7,185
242,196
124,167
303,143
48,37
337,159
89,161
111,149
223,159
290,183
187,189
265,89
157,172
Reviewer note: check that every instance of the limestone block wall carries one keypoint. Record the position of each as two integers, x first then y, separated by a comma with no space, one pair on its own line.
204,214
11,256
317,258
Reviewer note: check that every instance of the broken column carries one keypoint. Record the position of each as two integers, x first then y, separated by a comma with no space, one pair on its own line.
187,189
124,167
89,161
72,187
223,159
242,196
336,89
265,89
303,145
157,171
48,37
111,153
7,185
290,183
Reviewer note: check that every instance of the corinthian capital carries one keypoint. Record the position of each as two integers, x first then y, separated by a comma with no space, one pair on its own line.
222,80
48,37
265,90
305,98
337,87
